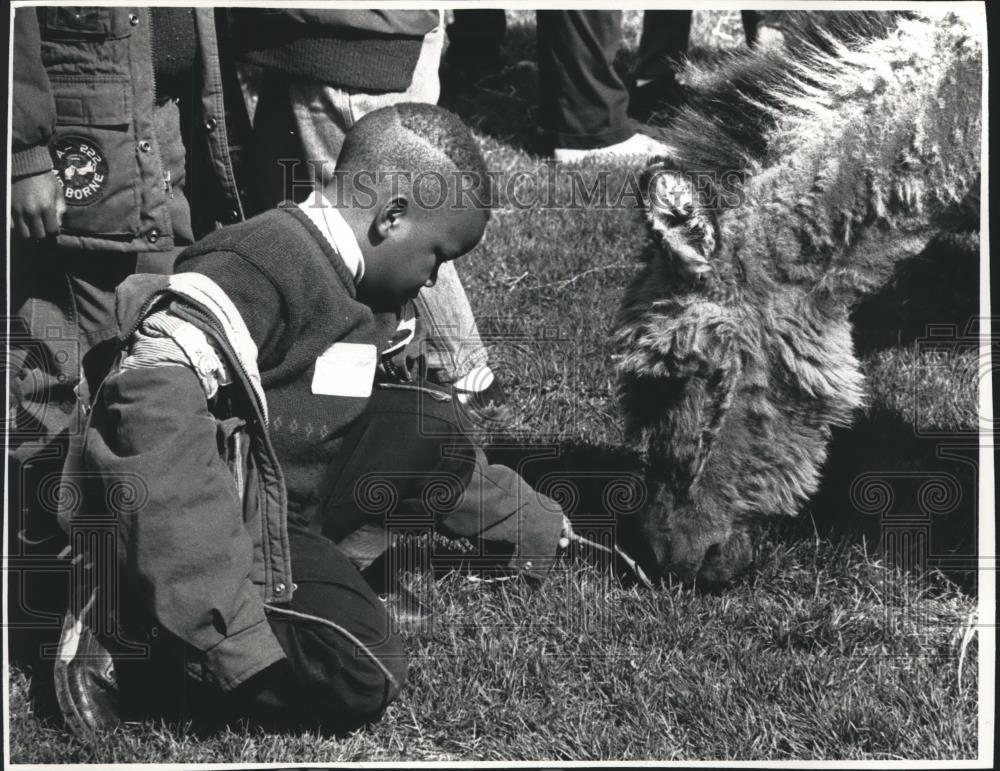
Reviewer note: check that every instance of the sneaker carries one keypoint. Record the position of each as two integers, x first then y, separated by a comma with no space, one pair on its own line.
85,680
637,147
485,401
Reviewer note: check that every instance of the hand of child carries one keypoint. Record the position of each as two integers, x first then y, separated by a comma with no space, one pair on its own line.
566,535
37,205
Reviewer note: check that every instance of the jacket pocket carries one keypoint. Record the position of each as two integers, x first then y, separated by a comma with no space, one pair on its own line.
94,152
87,22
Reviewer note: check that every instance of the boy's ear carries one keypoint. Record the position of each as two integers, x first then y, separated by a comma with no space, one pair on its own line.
390,214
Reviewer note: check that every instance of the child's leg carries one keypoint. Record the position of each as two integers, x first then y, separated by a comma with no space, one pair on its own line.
402,460
406,465
345,664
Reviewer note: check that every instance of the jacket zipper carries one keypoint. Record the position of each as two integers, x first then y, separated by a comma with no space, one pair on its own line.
152,51
168,190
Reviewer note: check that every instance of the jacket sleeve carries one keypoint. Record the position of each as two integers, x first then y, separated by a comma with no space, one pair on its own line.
34,109
181,540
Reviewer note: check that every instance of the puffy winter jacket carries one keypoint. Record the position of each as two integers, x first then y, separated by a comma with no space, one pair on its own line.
192,490
85,105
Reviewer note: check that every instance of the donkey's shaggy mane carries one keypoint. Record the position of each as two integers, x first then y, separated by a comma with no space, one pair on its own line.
735,97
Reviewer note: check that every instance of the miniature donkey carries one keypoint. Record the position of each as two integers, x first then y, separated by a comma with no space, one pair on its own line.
799,178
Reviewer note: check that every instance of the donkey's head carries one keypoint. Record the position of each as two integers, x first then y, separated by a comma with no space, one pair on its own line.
729,383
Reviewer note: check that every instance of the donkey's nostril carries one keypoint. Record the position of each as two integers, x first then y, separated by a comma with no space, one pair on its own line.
714,573
725,560
713,554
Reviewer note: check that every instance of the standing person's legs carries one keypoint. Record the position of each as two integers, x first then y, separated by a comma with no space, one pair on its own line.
663,42
583,100
477,31
63,304
751,20
454,349
278,167
664,39
475,38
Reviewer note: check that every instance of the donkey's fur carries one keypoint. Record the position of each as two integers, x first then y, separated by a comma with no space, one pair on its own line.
830,163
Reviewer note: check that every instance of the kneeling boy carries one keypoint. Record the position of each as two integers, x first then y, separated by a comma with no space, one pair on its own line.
261,411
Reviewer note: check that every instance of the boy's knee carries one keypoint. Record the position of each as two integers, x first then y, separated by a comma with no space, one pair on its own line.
355,686
370,682
339,687
344,667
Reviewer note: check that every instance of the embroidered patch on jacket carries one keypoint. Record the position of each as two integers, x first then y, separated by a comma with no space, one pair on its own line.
82,167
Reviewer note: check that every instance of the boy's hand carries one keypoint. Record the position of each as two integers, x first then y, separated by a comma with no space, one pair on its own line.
37,205
566,535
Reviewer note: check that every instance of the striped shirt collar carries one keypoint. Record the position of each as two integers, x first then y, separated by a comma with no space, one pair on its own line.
338,233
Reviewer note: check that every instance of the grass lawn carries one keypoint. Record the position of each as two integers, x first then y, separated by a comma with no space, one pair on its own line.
844,643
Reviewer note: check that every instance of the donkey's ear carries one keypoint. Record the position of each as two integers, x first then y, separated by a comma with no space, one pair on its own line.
656,165
679,217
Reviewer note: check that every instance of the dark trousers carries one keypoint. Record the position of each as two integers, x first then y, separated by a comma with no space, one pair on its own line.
336,675
663,41
63,305
407,467
751,20
344,663
476,35
582,99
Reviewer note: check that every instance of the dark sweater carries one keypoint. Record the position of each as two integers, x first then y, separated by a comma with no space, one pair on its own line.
175,49
297,298
357,50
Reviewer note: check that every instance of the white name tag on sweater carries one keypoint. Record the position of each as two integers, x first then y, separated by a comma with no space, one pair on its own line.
345,369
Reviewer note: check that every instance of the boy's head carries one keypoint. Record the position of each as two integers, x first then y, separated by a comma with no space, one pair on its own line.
413,185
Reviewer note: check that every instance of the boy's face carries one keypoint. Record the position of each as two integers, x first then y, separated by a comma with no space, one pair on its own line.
407,245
